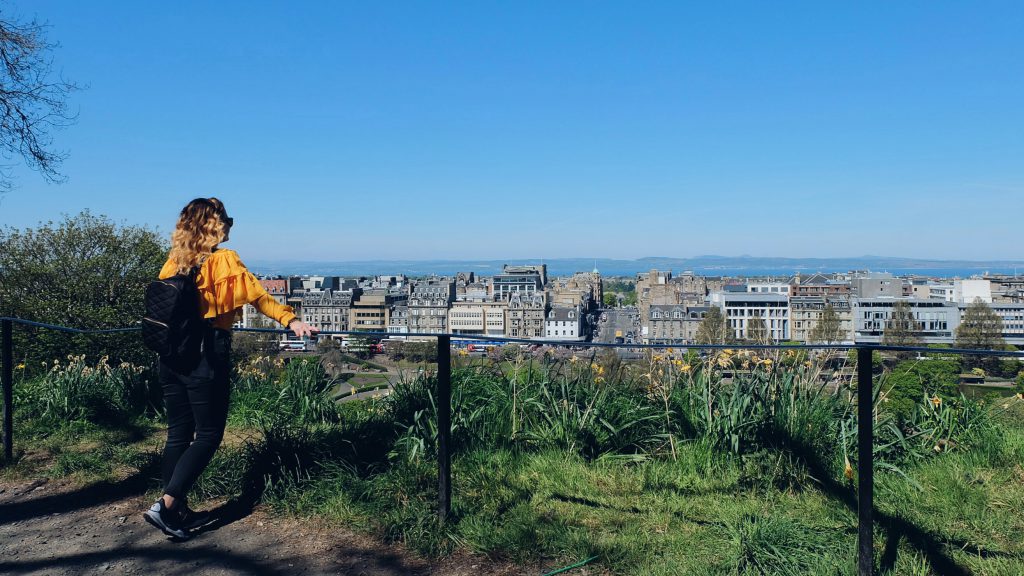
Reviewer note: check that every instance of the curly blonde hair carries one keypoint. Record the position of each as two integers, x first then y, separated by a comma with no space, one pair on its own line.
202,225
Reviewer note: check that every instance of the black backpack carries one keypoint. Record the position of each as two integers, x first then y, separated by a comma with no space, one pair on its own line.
173,326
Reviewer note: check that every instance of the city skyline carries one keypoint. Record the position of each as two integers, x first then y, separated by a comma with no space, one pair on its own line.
443,132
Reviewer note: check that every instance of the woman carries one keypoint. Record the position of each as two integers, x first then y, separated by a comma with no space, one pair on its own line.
197,401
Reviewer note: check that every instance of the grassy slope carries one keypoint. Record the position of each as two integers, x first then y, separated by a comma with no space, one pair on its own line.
704,514
700,515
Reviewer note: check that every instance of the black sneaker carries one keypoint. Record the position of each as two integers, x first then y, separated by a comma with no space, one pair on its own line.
190,519
168,521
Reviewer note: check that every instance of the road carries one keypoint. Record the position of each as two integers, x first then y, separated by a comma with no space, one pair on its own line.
625,320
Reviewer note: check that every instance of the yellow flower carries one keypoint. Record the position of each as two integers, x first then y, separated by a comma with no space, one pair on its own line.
767,362
807,363
600,370
593,366
20,366
685,368
746,365
670,351
728,351
936,401
574,359
657,358
848,469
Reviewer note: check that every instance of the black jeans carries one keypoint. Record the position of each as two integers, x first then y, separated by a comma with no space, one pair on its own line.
197,411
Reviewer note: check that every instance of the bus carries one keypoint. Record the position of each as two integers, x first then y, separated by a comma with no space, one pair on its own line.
292,345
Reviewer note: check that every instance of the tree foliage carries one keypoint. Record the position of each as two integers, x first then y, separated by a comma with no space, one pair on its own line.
32,101
829,329
901,328
911,380
757,331
980,329
83,272
713,328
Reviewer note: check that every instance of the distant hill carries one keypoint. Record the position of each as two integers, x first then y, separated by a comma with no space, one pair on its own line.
704,265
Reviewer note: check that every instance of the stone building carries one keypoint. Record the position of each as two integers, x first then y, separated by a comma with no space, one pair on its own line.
806,311
398,321
582,289
673,324
278,290
429,301
525,316
327,310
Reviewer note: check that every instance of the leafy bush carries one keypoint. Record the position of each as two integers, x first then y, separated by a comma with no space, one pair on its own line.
911,380
77,391
85,271
301,396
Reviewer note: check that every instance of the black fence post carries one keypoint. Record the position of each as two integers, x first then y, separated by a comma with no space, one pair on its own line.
8,384
444,426
865,463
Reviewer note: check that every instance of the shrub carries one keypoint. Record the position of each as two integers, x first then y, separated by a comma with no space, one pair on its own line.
77,391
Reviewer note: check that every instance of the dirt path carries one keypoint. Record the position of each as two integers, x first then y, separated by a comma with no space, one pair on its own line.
57,528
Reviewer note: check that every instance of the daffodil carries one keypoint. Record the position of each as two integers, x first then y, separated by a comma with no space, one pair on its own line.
686,368
936,401
20,366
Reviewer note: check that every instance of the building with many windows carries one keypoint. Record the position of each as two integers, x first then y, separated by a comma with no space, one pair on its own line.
806,311
741,308
371,309
327,310
1012,316
481,317
429,301
525,316
672,324
522,279
564,323
937,319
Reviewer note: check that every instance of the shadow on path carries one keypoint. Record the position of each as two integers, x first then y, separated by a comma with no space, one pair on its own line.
85,497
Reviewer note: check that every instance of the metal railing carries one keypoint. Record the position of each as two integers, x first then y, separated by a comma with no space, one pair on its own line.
865,400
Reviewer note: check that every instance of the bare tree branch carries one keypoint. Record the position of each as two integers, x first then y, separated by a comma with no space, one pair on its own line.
32,102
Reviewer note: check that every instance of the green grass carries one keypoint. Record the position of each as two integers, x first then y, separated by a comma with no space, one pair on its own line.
564,461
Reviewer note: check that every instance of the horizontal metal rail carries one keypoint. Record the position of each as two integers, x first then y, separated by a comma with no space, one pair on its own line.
580,344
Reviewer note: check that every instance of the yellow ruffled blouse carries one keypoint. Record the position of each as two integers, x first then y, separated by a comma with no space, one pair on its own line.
225,285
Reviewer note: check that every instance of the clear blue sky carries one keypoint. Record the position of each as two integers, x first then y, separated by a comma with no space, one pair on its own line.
367,130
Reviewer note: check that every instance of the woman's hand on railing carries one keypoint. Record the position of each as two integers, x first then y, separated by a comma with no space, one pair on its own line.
301,329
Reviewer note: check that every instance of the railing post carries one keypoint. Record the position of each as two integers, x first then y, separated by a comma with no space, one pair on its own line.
8,384
444,426
865,463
